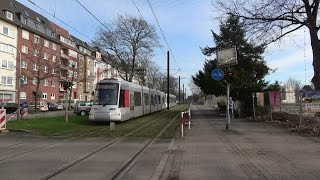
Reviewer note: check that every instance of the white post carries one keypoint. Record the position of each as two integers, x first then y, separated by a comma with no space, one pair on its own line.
228,109
254,110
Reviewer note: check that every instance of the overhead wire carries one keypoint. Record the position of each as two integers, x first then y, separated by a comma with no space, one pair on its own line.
162,33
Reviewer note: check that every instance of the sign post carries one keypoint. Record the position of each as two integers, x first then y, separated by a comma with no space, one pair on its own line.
227,57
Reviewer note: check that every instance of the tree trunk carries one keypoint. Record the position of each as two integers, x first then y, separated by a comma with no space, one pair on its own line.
316,58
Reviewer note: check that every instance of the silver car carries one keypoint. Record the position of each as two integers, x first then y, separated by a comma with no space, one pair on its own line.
82,107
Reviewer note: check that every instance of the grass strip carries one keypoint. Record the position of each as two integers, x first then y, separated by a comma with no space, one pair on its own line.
78,125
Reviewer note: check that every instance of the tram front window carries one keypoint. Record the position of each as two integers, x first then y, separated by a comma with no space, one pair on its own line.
107,94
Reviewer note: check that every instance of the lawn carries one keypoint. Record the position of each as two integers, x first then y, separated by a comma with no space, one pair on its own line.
80,125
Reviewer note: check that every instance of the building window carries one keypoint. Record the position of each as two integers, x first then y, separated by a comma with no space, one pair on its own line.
7,64
54,58
45,82
45,56
36,53
25,34
9,15
46,69
54,46
24,64
6,80
35,67
53,83
23,95
6,48
24,49
73,53
8,32
44,95
53,96
53,71
36,39
46,43
25,79
34,81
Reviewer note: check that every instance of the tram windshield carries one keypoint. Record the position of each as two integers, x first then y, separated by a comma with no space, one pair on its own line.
107,94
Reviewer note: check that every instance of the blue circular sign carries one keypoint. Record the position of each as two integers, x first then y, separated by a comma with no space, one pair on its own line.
217,74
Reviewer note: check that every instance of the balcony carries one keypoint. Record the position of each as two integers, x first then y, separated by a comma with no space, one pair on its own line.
64,56
63,66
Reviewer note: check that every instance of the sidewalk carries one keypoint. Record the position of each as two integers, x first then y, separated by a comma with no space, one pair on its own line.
252,150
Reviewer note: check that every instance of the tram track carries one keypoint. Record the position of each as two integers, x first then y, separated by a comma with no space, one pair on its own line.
50,145
126,166
44,147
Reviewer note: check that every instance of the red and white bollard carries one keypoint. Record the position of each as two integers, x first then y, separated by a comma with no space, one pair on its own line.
185,119
182,124
3,119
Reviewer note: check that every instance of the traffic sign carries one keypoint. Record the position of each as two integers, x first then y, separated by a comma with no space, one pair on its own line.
217,74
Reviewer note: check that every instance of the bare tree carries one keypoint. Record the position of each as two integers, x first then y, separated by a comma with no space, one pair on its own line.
40,68
270,20
127,41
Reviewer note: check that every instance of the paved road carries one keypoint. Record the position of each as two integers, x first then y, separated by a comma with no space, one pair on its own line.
252,150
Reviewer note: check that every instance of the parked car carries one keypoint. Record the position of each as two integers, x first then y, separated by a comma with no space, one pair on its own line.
52,106
82,107
42,105
72,102
10,107
60,106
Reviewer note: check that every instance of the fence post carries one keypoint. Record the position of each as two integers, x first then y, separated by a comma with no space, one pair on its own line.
300,110
189,118
271,112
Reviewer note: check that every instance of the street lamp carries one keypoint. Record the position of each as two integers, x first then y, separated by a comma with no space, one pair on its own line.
19,79
19,84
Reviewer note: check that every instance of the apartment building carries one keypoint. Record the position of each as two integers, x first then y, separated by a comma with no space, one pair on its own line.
86,70
50,56
68,62
8,52
37,43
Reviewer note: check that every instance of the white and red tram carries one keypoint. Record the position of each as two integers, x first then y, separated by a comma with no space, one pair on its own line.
117,100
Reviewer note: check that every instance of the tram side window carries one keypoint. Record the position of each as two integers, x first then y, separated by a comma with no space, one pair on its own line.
121,99
146,99
124,98
152,100
137,98
159,100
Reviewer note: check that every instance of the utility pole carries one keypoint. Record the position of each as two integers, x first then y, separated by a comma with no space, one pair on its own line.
179,90
183,93
168,83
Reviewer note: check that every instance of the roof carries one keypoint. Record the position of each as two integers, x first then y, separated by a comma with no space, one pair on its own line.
307,88
84,44
19,11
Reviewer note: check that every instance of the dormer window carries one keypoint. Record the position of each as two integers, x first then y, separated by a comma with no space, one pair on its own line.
9,15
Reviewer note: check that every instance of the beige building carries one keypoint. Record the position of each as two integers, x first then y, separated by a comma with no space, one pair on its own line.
8,55
85,70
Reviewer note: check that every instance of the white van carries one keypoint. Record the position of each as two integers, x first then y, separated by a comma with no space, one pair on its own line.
72,102
42,105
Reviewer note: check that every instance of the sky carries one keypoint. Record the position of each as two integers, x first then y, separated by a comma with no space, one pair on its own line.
186,25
